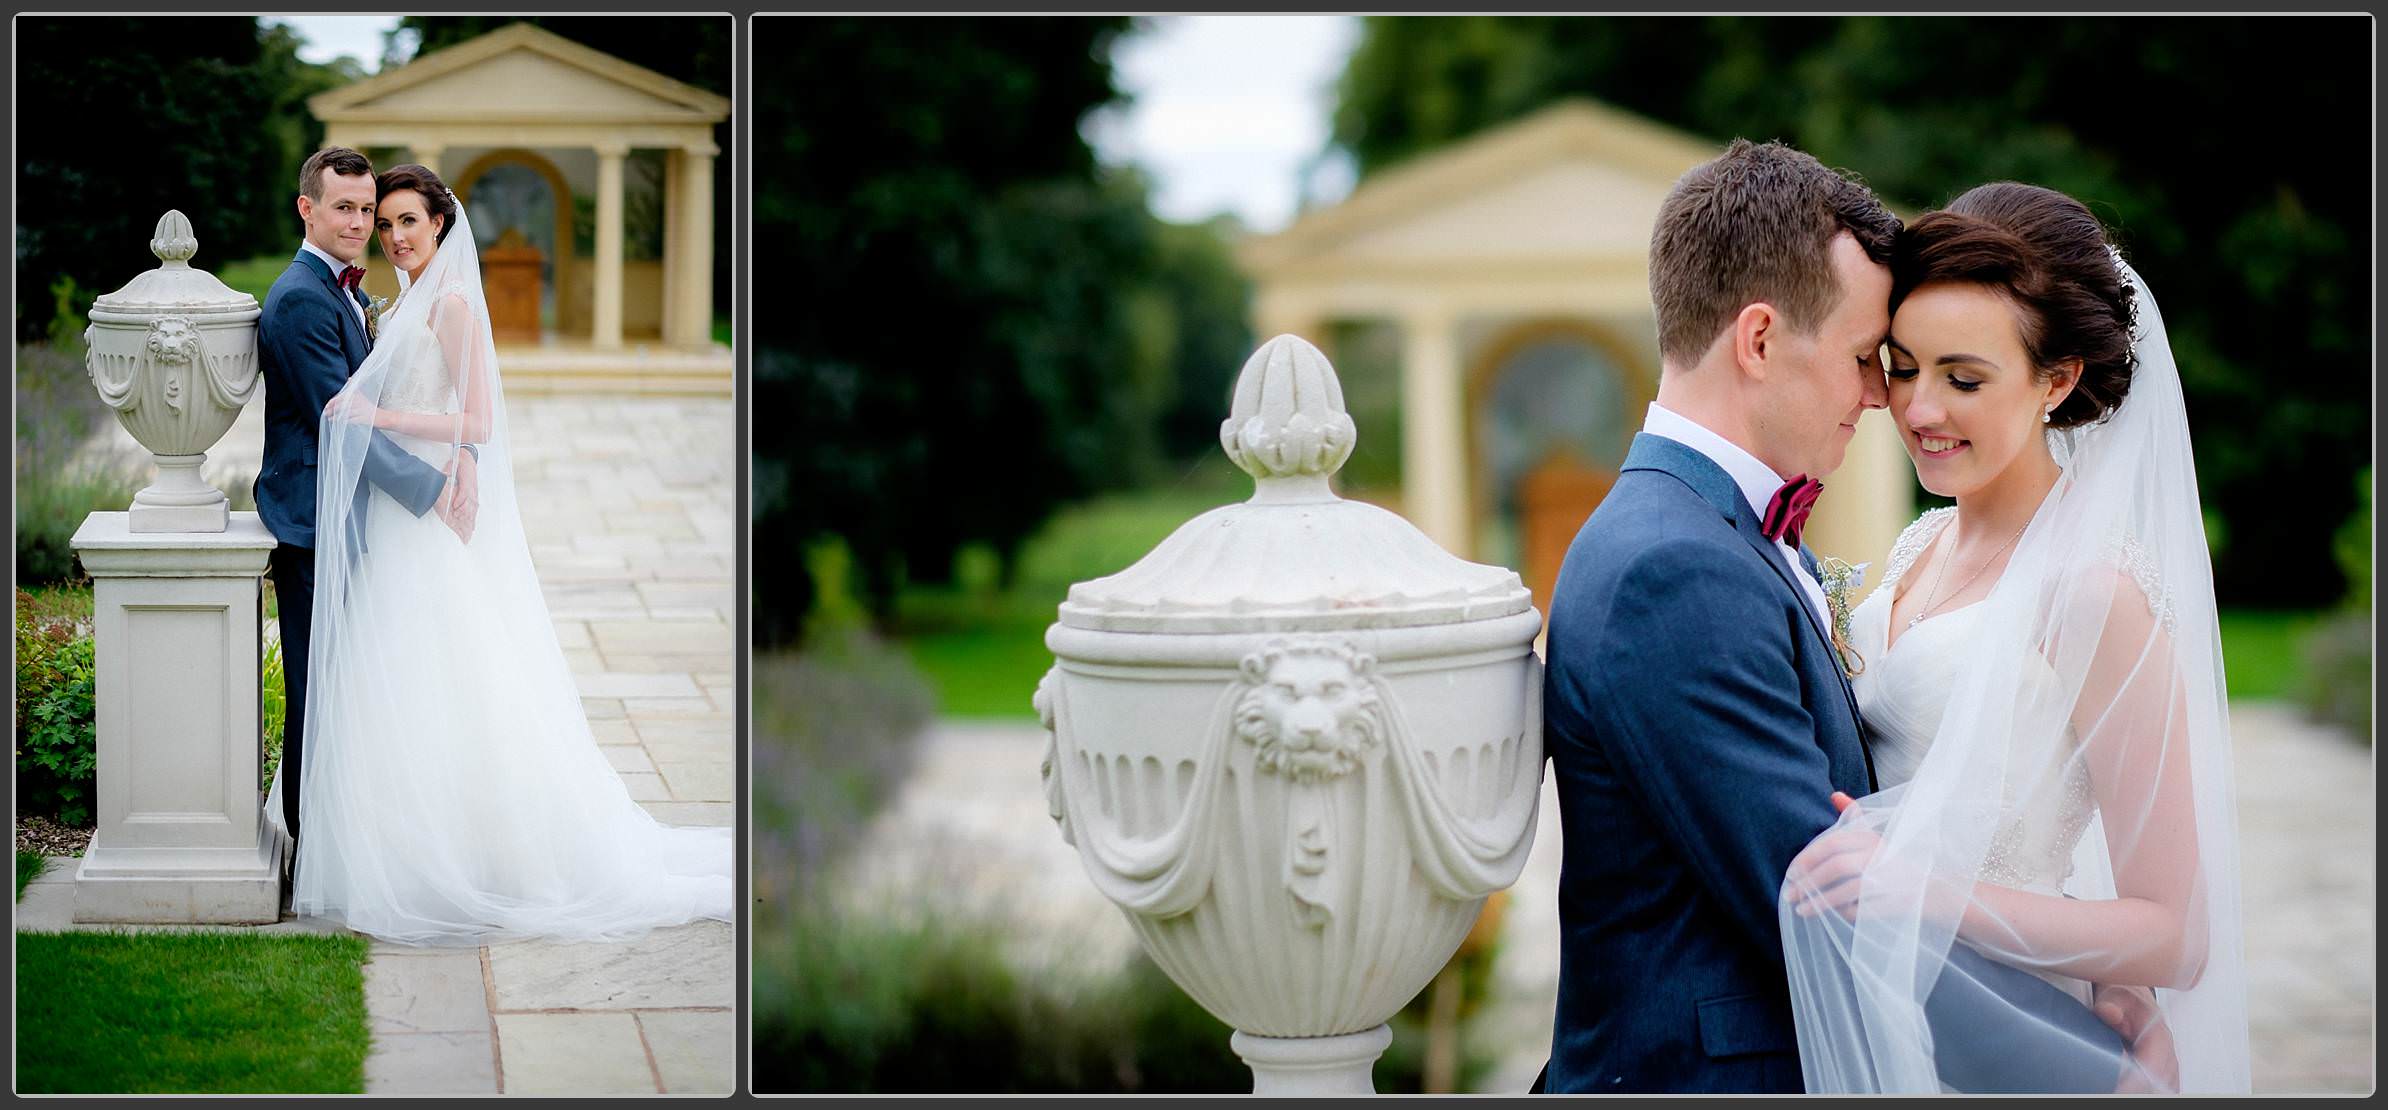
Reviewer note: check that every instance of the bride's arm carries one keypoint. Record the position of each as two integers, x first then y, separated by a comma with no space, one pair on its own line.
453,325
2132,718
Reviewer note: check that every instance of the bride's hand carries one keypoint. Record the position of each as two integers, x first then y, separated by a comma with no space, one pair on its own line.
1827,873
353,409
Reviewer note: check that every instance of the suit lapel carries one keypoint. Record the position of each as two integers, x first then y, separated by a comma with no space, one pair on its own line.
1706,478
349,327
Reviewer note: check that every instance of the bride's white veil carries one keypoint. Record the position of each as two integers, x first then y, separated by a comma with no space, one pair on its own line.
2095,669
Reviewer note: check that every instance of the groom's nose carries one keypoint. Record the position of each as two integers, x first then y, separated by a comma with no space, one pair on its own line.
1877,389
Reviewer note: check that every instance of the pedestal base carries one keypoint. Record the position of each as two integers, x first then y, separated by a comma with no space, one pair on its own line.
181,886
1313,1065
177,707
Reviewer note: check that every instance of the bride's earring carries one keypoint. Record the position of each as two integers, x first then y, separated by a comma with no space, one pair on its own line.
2046,413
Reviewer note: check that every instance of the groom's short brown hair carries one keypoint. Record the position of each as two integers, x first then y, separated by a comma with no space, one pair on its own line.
1755,223
338,159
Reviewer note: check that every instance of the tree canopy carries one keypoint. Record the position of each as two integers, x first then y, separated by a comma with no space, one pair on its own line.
962,319
117,123
2230,156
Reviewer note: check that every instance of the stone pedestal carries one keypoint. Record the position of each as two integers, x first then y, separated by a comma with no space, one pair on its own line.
182,833
1312,1066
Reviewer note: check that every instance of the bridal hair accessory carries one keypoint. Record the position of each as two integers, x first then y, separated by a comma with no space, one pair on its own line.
1787,511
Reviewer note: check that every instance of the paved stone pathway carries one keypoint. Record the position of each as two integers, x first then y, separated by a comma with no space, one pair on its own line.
971,824
629,505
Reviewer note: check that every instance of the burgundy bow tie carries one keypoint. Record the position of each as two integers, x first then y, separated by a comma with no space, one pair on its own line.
1787,513
351,276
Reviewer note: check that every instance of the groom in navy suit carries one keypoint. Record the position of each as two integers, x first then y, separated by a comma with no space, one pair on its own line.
1695,711
312,335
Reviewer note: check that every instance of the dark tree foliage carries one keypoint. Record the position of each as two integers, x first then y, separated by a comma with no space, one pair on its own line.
2231,155
120,119
962,320
694,50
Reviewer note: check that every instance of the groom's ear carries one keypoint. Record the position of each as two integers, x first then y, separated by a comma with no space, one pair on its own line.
306,208
1756,328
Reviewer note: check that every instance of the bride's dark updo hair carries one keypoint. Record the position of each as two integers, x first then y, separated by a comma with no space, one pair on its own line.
424,183
2049,257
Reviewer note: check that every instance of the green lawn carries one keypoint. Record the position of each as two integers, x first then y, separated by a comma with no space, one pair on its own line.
255,276
2262,650
29,867
983,648
221,1013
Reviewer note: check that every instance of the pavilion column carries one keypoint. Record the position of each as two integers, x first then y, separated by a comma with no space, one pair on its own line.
689,288
606,327
430,156
1433,463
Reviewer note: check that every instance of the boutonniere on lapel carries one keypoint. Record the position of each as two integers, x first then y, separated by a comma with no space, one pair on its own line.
1840,581
373,309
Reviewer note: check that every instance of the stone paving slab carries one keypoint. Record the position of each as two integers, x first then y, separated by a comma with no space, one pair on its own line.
684,1046
574,1054
684,967
432,1064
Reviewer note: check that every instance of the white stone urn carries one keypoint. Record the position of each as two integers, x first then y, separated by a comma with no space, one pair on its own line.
174,352
1298,743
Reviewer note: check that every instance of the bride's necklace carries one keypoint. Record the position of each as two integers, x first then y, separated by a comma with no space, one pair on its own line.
1932,600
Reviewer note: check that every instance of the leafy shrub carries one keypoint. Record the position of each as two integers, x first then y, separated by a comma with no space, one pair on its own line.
934,1005
273,712
56,752
57,410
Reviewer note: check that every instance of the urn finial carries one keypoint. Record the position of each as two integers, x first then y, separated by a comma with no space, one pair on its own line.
1287,426
174,244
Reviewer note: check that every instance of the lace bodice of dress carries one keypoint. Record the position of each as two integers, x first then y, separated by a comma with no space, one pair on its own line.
420,378
1902,693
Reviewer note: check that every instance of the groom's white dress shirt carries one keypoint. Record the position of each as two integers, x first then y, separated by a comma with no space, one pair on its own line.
308,245
1757,480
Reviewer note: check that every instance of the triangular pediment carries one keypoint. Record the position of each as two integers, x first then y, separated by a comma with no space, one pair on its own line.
1576,179
520,72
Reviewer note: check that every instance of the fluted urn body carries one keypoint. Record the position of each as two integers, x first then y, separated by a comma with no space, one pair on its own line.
1298,743
174,352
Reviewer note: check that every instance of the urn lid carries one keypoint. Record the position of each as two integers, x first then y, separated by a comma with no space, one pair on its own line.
174,286
1295,557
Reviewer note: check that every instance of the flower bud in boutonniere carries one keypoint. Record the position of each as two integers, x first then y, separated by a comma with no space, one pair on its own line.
1840,581
373,310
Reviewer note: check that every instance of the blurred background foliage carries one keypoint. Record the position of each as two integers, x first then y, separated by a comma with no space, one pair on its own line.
963,321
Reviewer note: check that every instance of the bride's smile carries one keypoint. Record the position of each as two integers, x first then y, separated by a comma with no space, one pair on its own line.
1964,391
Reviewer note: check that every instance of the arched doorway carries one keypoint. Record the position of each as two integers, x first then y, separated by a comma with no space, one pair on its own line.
1552,407
522,222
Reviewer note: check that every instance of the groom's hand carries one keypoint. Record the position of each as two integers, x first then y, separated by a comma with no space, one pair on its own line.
2132,1011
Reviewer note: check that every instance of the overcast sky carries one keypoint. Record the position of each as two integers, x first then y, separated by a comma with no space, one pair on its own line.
1225,110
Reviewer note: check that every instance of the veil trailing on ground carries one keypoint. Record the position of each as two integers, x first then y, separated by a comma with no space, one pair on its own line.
2073,817
452,790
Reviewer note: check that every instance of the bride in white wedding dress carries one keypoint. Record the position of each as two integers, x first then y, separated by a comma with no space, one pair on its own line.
2040,678
452,792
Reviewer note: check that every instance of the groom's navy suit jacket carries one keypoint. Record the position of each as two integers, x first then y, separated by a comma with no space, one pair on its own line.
1697,723
308,342
1697,720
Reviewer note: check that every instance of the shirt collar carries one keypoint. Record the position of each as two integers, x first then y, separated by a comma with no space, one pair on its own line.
1757,480
308,245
